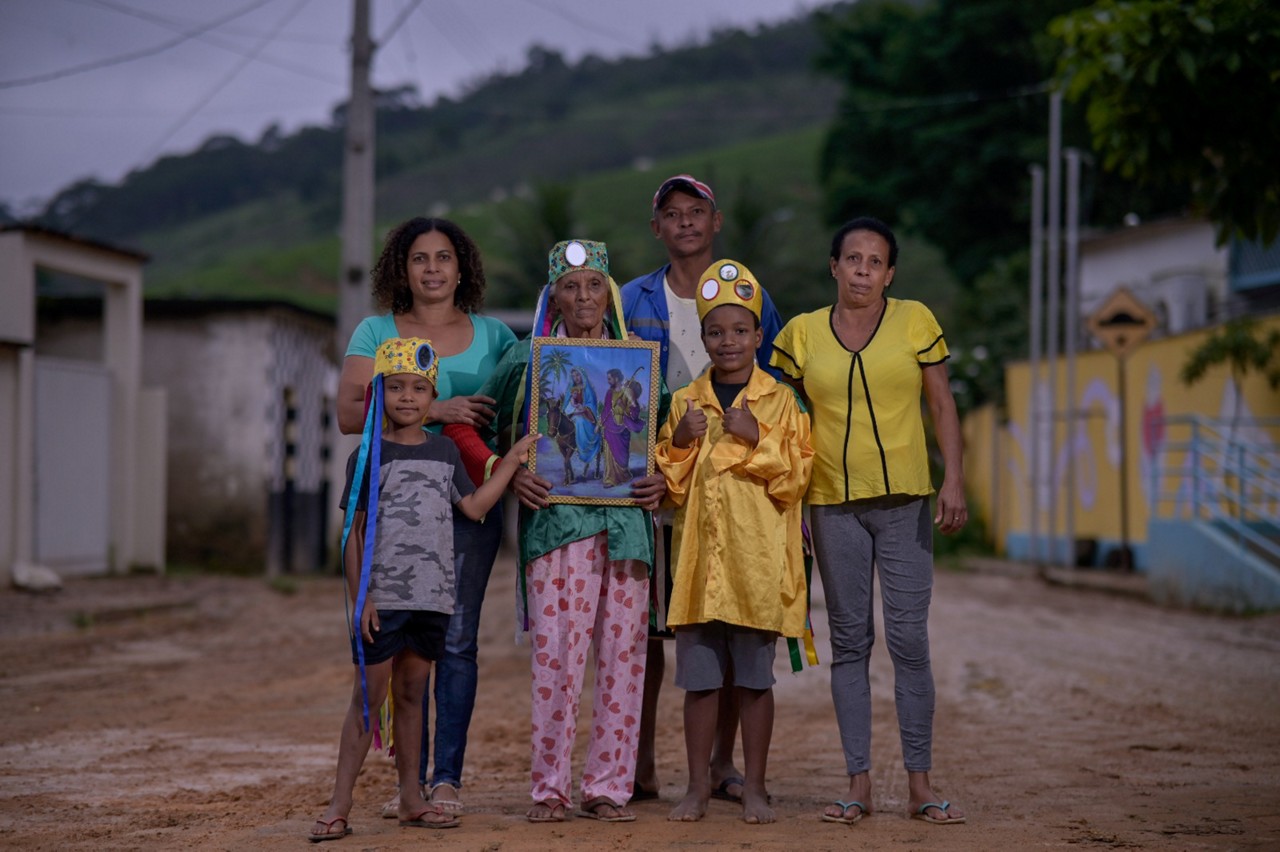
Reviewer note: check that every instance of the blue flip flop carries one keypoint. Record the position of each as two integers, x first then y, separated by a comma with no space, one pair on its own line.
922,812
722,789
844,818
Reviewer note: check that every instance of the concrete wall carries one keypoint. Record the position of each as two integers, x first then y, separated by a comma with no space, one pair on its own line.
228,375
1198,565
997,466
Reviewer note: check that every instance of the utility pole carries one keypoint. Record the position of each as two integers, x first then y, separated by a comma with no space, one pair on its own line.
1072,310
354,302
1037,352
1053,279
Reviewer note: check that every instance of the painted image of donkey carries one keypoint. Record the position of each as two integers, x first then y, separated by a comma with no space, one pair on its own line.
564,432
573,414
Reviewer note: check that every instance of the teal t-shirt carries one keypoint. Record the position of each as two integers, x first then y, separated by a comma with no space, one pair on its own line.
461,374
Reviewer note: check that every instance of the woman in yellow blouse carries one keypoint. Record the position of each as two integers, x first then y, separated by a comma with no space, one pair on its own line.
862,363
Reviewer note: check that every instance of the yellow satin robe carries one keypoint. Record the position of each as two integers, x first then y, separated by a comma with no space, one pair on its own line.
736,536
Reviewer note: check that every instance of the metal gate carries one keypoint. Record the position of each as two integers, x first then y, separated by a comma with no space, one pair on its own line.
73,463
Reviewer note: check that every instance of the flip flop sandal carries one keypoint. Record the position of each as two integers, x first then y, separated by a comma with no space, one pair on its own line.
453,806
417,820
331,835
391,810
589,811
844,817
722,793
551,816
922,813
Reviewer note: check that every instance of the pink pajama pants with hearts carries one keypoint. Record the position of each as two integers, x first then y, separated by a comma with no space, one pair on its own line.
578,597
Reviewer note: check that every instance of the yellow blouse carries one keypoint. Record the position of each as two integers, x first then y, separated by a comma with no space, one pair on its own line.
868,432
736,536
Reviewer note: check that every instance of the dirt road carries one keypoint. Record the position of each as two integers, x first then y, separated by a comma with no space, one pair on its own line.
203,712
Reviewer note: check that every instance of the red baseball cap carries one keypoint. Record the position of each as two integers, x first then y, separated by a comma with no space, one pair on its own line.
688,183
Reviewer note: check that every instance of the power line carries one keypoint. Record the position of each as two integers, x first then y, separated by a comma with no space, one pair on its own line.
411,57
221,84
176,25
129,57
577,20
951,99
400,19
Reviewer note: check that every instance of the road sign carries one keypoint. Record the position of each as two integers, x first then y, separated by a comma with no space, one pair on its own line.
1122,323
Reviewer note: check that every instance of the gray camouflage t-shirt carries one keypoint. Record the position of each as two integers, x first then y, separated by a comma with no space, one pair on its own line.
413,554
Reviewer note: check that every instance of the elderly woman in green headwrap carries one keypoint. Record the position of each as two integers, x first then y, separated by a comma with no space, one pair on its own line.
585,571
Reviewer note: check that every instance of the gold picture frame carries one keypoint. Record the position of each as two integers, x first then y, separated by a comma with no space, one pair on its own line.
595,402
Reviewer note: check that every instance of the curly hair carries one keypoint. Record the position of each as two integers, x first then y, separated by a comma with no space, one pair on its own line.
390,273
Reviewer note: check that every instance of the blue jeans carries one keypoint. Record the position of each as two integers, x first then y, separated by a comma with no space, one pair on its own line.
894,537
475,546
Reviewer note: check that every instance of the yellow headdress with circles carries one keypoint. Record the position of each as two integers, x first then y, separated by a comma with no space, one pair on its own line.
407,355
727,282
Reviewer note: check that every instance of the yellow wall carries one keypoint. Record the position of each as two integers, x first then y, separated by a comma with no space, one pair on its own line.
997,455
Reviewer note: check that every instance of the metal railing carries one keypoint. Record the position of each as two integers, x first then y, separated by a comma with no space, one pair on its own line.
1221,472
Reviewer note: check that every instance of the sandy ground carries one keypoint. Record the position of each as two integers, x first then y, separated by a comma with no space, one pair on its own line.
203,712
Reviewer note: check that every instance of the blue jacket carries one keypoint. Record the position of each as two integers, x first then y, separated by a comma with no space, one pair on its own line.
644,307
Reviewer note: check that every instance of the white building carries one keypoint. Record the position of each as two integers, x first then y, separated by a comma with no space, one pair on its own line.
82,442
1172,266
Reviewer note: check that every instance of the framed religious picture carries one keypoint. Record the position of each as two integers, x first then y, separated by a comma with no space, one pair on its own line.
595,403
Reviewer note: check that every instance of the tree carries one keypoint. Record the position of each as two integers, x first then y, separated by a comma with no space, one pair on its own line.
1183,92
989,329
944,107
532,227
1241,346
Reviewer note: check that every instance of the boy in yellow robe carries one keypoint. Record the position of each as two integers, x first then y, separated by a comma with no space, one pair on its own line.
736,455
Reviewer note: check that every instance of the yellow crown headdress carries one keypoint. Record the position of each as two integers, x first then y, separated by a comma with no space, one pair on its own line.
727,282
407,355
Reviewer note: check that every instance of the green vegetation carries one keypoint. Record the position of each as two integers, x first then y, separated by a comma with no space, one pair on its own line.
1143,68
1243,348
236,219
923,112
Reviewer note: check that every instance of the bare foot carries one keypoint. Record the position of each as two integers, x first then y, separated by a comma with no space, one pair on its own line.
691,808
755,807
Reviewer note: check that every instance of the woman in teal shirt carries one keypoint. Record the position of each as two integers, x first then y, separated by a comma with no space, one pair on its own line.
430,282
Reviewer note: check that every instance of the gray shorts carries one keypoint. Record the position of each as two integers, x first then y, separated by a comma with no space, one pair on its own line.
704,653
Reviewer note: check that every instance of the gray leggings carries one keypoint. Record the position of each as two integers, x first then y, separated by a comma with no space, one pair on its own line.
895,534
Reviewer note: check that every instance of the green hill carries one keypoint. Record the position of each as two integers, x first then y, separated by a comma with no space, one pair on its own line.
745,111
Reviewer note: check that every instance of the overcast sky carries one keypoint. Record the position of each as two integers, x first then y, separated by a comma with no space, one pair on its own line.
95,88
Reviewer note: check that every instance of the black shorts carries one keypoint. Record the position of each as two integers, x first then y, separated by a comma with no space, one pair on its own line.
419,631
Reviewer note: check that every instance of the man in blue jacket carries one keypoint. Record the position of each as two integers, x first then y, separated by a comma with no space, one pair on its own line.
662,306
